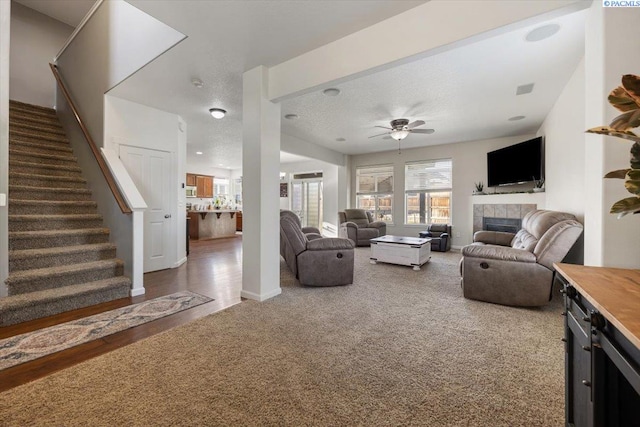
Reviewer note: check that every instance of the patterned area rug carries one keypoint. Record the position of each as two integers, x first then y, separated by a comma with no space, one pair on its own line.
32,345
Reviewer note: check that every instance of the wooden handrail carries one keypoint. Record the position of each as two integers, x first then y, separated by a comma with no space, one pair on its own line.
108,176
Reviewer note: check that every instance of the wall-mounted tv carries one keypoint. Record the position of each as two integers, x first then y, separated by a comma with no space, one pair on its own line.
515,164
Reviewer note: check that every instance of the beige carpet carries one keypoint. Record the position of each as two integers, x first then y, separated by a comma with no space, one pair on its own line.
398,347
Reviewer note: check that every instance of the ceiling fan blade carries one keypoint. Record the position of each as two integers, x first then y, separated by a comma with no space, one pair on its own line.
426,131
383,127
375,136
415,124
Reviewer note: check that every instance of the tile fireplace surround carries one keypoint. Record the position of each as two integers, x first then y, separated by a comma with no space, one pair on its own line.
515,211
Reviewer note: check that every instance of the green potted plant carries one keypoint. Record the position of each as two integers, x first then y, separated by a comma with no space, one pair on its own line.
479,187
626,98
538,185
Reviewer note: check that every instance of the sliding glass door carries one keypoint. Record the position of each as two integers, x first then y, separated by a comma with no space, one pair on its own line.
306,201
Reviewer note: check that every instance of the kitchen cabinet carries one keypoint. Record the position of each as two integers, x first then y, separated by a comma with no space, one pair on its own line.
602,345
191,180
239,221
194,226
203,184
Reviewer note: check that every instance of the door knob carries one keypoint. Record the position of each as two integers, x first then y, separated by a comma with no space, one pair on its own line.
167,216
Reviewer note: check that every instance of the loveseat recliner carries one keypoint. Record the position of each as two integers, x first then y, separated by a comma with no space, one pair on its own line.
359,226
322,261
517,269
440,235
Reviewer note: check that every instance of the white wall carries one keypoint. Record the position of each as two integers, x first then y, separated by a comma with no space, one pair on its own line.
469,166
5,38
300,147
563,130
35,41
129,123
612,41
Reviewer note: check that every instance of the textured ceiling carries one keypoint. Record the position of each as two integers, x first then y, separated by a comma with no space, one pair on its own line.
464,94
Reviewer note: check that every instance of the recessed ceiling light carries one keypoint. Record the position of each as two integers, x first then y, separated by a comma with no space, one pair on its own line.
197,83
332,91
198,152
220,164
291,116
340,139
515,118
217,113
542,32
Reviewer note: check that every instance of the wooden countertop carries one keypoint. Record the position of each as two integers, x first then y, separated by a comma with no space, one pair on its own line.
614,292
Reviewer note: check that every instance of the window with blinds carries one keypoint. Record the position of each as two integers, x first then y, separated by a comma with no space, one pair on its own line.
374,191
428,192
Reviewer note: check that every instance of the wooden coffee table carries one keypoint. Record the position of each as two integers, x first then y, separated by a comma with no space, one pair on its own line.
411,251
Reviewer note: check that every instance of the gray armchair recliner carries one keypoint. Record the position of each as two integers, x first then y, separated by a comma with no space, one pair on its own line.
517,269
440,235
359,226
321,261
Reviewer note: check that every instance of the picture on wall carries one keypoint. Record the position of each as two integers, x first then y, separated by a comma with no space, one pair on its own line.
284,189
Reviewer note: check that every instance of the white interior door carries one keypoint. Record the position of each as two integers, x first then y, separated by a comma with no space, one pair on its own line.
149,171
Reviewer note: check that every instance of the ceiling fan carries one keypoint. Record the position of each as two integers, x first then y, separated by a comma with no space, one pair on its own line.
401,128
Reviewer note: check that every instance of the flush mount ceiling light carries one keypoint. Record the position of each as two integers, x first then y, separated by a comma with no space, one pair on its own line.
291,116
332,91
197,83
542,32
217,113
198,152
515,118
399,135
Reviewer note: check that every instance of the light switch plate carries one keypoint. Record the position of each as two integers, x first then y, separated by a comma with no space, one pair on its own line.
3,199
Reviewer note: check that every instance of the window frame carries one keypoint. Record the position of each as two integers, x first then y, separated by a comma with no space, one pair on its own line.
376,195
428,191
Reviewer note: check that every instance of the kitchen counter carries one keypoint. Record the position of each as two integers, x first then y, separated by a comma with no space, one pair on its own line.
212,224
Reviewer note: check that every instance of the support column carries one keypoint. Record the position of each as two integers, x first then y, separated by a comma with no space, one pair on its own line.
612,33
5,20
260,186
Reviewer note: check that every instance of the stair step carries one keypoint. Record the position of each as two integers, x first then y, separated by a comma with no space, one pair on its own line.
43,168
19,240
51,159
25,125
28,259
51,207
23,116
35,305
50,181
31,108
25,192
34,136
39,279
53,222
41,147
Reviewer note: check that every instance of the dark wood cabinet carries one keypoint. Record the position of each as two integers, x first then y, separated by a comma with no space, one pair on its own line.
191,180
203,184
194,219
239,221
602,345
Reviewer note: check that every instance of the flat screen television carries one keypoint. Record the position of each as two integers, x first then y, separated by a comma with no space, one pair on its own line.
515,164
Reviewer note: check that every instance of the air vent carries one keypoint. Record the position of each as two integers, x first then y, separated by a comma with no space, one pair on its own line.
524,89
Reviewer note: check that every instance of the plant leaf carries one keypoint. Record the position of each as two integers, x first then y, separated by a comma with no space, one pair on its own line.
631,83
635,156
620,173
605,130
626,206
626,121
632,184
619,99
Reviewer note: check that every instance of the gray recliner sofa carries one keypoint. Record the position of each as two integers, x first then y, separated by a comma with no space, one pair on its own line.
311,233
517,269
321,261
359,226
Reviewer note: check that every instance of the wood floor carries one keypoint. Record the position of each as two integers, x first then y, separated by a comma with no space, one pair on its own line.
214,269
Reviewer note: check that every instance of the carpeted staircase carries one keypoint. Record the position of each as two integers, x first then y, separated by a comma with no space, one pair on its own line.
60,257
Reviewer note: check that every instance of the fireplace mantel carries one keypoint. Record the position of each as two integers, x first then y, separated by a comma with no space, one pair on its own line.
510,198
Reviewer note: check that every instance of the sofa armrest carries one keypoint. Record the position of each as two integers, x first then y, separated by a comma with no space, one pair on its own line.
444,236
377,224
313,236
502,253
500,238
307,230
349,224
329,243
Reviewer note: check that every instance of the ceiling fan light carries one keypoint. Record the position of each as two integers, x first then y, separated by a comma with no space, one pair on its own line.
399,134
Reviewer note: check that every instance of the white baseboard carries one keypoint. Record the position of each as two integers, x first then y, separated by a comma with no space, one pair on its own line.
180,262
137,291
260,298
